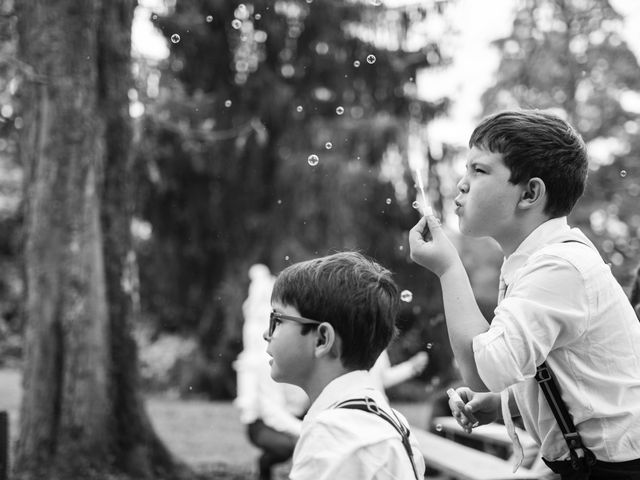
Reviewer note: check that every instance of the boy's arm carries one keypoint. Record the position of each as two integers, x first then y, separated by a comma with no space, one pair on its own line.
464,319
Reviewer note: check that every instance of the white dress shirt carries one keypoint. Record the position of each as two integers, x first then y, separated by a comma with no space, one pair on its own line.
345,444
563,305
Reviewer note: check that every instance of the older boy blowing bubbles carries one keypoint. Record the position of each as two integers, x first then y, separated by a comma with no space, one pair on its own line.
331,319
558,301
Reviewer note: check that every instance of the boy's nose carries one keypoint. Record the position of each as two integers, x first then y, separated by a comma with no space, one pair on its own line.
265,335
463,186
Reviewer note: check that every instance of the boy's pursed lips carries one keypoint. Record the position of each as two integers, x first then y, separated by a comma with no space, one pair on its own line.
458,204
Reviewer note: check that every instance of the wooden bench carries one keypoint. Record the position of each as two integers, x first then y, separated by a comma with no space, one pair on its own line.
491,438
466,463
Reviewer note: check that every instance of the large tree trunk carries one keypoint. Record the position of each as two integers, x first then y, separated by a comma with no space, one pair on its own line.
136,447
81,416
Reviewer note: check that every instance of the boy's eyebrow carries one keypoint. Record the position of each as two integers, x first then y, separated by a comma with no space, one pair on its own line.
473,162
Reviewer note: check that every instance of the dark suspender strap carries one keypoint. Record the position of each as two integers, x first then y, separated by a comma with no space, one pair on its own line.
581,457
369,405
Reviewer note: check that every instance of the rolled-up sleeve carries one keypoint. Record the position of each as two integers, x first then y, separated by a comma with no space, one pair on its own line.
545,307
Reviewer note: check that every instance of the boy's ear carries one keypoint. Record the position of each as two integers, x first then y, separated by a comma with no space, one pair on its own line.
327,342
533,194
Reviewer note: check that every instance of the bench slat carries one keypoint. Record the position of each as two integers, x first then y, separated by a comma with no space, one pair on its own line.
465,462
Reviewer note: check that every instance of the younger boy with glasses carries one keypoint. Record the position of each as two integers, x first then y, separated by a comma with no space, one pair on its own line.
332,317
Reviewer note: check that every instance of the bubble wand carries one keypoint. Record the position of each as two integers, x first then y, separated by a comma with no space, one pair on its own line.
426,207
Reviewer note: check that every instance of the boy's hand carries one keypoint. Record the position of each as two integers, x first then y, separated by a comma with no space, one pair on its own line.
436,253
485,407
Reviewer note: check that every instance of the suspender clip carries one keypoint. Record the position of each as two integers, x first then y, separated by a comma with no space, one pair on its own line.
543,374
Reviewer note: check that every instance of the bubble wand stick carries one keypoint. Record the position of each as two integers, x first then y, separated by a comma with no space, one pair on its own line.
426,207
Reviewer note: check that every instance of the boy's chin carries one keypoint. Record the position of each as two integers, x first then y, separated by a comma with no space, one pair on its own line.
276,376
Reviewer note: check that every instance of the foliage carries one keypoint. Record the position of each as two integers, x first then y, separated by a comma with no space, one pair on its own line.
11,279
249,92
570,56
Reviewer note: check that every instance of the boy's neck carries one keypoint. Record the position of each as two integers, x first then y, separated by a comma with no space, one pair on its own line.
323,376
510,242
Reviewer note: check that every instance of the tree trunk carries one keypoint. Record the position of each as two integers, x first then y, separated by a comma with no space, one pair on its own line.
81,414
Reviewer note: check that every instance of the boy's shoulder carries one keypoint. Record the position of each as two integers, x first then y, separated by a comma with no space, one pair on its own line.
578,252
350,424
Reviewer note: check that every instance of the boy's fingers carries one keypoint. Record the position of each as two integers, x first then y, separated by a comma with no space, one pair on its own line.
417,231
433,222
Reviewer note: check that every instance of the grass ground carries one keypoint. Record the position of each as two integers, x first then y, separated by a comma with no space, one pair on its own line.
207,435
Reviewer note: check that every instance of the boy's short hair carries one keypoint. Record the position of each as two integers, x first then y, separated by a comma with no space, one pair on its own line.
356,295
534,143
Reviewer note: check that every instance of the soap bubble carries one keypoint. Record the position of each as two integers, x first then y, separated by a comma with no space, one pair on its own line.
236,24
227,103
340,110
623,173
328,145
313,160
175,38
388,201
371,59
416,205
299,108
209,18
356,63
439,427
429,346
406,296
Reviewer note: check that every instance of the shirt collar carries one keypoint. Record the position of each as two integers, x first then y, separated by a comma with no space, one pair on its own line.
349,385
555,230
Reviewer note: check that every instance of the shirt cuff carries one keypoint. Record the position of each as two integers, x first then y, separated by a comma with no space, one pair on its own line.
495,360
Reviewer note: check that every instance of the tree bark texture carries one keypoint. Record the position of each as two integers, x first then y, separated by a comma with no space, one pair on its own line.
82,415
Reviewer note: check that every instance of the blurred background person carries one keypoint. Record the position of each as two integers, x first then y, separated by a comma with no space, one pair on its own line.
386,375
271,411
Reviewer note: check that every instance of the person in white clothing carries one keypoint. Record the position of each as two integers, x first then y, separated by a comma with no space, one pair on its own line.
386,375
271,411
559,302
332,317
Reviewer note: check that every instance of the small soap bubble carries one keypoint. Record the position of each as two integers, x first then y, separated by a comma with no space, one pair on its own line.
623,173
227,103
356,63
236,24
313,160
439,427
209,18
279,202
388,201
340,110
299,108
406,296
257,16
401,247
429,346
328,145
371,59
175,38
416,205
286,257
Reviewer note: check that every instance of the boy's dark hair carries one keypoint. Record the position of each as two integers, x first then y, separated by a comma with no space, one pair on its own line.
354,294
534,143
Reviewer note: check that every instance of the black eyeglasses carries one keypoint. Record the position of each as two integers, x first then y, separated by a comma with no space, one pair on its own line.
276,318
